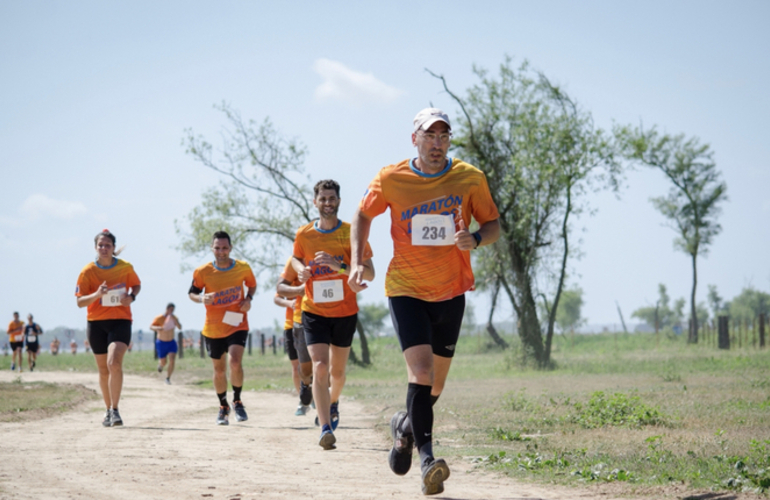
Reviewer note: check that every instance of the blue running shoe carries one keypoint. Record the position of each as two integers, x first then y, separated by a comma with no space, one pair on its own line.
334,413
327,439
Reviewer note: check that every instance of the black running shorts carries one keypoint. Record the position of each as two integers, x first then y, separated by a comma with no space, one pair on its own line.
335,331
217,347
104,332
288,344
437,324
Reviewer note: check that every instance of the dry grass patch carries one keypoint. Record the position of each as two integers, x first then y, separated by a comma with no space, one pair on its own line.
36,400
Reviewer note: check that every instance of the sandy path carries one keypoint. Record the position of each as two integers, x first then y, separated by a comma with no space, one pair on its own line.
171,448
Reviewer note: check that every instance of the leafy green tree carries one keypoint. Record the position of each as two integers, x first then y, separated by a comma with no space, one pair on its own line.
749,304
664,313
716,303
263,200
568,314
542,155
373,316
692,205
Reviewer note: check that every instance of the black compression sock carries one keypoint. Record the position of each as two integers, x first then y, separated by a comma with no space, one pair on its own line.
222,398
237,393
420,410
406,425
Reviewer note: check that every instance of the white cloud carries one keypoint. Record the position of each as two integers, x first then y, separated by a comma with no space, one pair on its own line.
341,83
39,205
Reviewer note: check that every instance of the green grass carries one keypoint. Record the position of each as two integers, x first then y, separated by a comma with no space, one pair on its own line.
634,412
24,401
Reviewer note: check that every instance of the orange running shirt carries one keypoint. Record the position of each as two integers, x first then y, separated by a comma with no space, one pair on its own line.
324,279
290,275
430,273
120,275
227,287
16,331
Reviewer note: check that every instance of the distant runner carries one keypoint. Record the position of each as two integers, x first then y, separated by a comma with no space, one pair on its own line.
108,286
165,344
32,333
289,287
219,285
16,340
431,199
329,309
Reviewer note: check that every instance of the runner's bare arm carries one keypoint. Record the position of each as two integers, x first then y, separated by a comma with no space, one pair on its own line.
246,302
489,232
282,302
87,300
284,289
131,296
196,295
359,234
303,272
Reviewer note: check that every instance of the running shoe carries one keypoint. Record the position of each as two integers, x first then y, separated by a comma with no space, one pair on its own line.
305,393
240,412
301,410
434,473
327,440
400,458
107,422
34,364
13,366
116,421
222,418
168,381
334,413
160,368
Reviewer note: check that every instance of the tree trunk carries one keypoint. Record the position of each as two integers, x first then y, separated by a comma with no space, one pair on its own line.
529,332
693,335
490,327
546,361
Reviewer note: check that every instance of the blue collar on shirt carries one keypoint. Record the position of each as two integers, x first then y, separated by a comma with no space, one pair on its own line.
232,264
114,263
327,231
423,174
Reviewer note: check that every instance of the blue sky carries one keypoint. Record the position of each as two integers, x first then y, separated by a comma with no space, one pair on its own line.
95,98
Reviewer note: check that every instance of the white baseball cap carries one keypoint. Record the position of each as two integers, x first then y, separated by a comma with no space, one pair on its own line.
428,117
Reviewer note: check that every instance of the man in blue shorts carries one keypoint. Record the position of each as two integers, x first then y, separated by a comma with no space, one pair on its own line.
165,344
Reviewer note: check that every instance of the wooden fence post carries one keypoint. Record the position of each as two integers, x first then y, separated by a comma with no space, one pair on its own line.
154,345
262,342
762,330
249,341
203,347
180,344
275,346
724,334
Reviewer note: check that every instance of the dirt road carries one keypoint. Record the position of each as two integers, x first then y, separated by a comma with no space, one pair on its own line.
171,448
